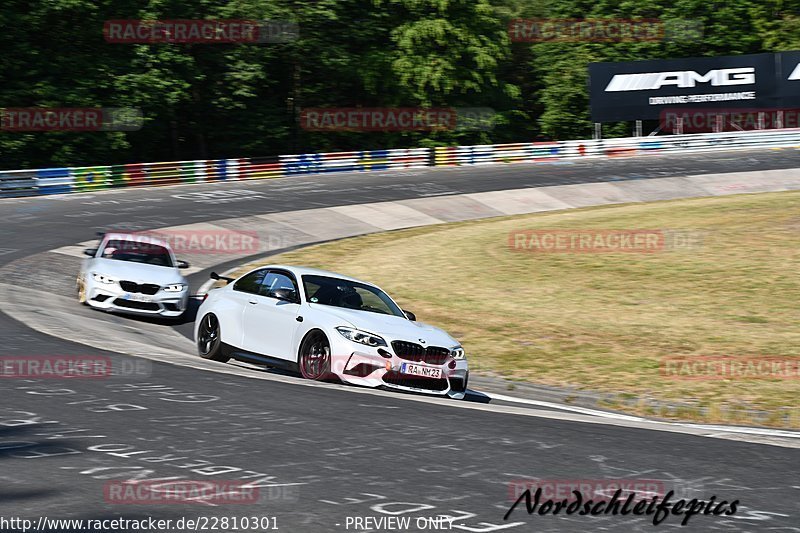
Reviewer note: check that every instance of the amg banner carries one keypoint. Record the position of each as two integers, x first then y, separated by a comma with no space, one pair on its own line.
643,89
788,67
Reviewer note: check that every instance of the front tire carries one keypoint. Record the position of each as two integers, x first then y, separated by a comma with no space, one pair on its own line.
81,291
209,339
315,357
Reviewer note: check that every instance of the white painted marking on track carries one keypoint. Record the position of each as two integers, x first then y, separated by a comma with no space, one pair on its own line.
719,430
443,193
743,429
378,406
75,250
562,407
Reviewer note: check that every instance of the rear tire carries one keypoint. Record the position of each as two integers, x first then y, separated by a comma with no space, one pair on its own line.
315,357
209,340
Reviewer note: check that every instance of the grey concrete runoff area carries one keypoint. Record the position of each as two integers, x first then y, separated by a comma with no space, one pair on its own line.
324,455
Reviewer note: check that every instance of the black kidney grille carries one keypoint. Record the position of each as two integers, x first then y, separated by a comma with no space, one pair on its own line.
129,286
411,351
144,288
436,355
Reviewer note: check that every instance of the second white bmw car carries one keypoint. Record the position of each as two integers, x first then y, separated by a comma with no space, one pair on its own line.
133,274
324,325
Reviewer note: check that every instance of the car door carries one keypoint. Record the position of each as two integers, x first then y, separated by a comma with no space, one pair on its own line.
237,300
269,323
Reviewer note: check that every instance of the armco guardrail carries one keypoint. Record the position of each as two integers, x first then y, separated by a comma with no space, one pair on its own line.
14,183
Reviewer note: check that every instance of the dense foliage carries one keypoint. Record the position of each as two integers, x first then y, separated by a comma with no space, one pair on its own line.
242,100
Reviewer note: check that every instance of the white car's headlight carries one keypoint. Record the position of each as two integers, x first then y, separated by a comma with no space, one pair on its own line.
361,337
458,353
103,279
176,287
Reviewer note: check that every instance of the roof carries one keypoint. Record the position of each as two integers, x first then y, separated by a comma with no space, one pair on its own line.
301,271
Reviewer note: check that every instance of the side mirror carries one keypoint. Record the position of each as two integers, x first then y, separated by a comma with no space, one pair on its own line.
216,276
183,264
91,252
411,316
285,295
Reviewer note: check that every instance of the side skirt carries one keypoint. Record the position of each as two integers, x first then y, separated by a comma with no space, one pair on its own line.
252,357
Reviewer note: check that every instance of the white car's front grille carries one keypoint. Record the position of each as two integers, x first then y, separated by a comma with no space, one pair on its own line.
411,351
143,288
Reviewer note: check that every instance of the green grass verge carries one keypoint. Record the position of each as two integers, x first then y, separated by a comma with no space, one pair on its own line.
604,322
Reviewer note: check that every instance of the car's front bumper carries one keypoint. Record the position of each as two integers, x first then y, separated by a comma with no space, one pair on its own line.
111,297
381,367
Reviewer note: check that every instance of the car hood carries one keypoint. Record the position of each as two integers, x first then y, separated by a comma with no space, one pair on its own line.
138,272
394,327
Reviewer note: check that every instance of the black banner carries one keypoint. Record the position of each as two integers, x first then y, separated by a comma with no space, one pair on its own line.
642,89
789,73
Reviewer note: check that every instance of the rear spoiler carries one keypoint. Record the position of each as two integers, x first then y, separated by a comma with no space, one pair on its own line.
216,276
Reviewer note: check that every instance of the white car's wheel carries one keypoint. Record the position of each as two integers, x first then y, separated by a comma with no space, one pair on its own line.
315,356
81,291
209,341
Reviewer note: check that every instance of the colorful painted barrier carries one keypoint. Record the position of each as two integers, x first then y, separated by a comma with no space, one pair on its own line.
15,183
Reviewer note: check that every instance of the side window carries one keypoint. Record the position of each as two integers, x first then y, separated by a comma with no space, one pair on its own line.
251,283
277,280
312,289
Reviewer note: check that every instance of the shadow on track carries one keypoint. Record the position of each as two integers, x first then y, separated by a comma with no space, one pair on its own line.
18,444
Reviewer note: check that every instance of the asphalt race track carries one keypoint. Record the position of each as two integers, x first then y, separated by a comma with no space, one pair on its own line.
323,456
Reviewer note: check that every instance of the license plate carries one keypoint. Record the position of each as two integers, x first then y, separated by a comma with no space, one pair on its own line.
421,371
138,298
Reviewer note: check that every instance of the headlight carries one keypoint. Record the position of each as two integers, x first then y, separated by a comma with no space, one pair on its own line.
458,353
361,337
177,287
103,279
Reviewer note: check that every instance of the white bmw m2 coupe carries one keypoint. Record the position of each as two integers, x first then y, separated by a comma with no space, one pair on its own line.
133,274
326,325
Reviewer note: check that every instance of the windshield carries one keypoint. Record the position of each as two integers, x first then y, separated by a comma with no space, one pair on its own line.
349,295
137,252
